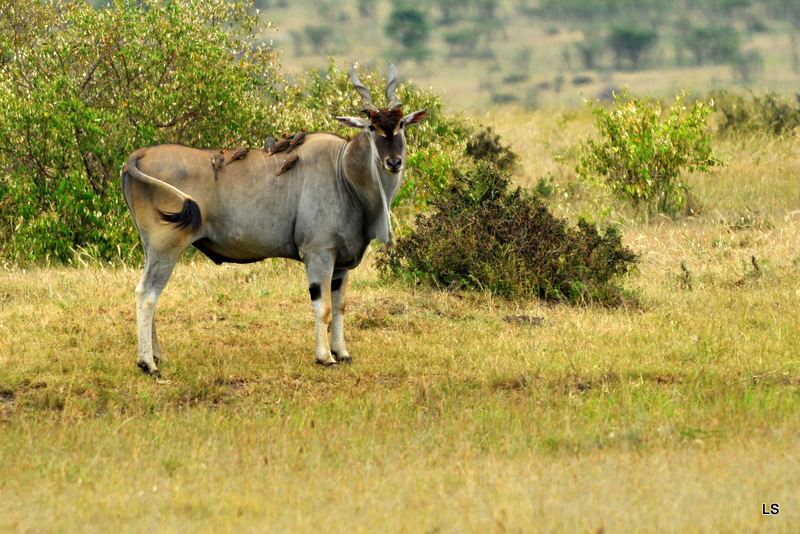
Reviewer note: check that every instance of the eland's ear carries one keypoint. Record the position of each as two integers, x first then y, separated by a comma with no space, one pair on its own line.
353,122
414,118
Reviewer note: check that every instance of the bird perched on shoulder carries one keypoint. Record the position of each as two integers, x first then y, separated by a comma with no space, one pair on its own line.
288,163
281,144
296,139
239,153
217,161
269,142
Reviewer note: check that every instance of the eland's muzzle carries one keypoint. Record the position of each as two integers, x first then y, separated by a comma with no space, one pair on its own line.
394,165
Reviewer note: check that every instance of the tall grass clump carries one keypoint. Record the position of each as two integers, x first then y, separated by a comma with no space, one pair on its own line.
486,235
644,151
768,113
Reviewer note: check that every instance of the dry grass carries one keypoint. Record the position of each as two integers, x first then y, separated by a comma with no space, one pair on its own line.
676,414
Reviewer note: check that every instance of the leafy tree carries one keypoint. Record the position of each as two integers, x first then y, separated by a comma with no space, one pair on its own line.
715,44
452,11
747,66
590,50
630,43
594,10
487,9
409,27
319,37
724,7
366,9
81,88
789,10
462,42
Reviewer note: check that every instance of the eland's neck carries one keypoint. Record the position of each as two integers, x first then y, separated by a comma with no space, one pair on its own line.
374,186
364,169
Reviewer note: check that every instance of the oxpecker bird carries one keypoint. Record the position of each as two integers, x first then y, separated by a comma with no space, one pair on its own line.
217,161
281,144
296,139
288,163
239,153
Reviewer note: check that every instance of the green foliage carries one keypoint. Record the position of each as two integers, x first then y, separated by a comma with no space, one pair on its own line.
486,236
462,42
590,50
319,36
747,66
767,113
711,44
643,150
452,11
487,146
81,88
592,10
630,43
409,27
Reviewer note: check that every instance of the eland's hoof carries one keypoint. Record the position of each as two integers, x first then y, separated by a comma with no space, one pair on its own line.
342,358
147,370
330,365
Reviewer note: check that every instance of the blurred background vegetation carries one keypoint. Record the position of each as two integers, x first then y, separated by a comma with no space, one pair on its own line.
541,52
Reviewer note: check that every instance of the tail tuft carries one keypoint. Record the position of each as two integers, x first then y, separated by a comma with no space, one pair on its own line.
189,216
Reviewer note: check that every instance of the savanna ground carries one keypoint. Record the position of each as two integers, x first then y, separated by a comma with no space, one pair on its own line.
679,412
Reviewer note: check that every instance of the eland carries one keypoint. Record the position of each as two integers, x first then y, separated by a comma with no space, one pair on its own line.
323,210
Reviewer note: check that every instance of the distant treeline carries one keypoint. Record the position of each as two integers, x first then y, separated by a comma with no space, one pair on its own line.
618,34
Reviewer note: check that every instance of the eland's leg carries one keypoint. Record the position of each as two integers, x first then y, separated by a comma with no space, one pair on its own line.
319,270
157,270
157,357
339,303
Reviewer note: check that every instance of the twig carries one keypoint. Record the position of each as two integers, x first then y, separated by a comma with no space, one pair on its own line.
687,276
755,266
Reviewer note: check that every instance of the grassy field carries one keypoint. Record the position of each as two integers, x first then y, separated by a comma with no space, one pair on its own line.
677,413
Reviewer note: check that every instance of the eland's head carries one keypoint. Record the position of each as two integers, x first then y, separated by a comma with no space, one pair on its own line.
386,126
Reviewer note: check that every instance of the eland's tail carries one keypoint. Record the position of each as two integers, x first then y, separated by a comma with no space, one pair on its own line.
188,217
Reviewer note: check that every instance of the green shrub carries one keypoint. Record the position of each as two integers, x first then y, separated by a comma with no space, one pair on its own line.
485,145
643,150
81,88
767,113
483,235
